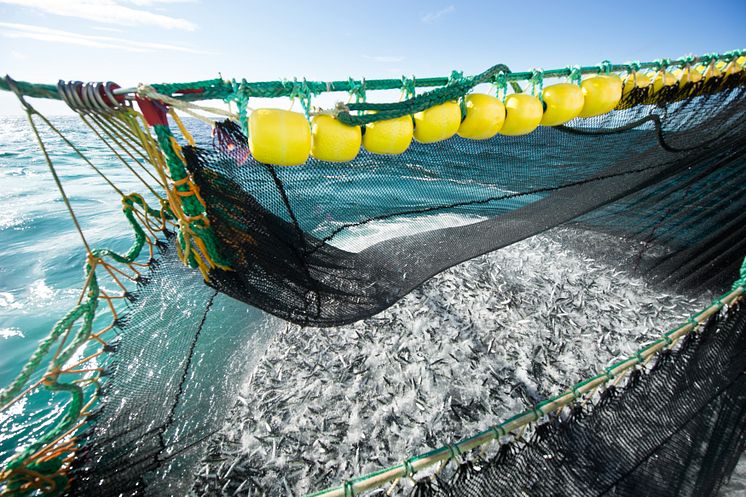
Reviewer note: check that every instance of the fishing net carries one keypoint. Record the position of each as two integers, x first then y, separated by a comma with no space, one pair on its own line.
663,177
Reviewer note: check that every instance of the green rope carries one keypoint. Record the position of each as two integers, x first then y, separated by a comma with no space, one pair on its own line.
191,206
221,89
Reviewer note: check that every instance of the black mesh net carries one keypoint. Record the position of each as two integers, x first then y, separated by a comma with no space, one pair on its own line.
666,178
654,174
677,430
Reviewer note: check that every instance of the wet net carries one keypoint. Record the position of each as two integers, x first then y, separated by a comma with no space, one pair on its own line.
662,176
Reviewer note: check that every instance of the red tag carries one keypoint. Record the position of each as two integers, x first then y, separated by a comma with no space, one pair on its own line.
184,91
153,111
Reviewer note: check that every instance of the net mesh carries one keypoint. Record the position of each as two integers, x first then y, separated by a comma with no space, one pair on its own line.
677,430
663,175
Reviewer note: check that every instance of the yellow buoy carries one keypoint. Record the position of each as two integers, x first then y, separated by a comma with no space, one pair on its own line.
437,123
602,93
635,80
688,75
391,136
663,78
731,67
523,113
562,102
485,116
333,141
711,71
279,137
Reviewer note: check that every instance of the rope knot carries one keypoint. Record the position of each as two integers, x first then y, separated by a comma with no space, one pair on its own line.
456,77
357,90
574,74
408,86
537,80
501,83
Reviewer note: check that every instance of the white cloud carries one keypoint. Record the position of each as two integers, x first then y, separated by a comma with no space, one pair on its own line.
107,12
153,2
384,58
15,30
107,29
431,17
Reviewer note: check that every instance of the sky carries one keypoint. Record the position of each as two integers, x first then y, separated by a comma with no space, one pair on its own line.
150,41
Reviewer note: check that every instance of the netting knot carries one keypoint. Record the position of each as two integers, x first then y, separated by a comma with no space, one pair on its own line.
408,86
605,66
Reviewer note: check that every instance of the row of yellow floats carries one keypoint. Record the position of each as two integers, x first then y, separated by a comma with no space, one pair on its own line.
285,138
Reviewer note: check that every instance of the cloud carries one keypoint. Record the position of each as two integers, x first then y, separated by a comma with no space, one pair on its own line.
385,58
431,17
107,29
107,12
15,30
153,2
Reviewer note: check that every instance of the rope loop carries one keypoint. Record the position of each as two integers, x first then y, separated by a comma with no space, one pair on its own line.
537,79
639,357
695,324
661,64
574,74
501,84
455,453
241,98
456,77
349,491
576,393
302,92
633,67
686,61
499,431
609,375
357,90
408,86
538,413
408,468
605,67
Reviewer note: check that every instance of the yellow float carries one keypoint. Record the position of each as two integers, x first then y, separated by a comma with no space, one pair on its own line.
279,137
485,116
688,75
663,79
726,68
601,93
333,141
392,136
711,71
523,113
437,123
562,103
635,80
